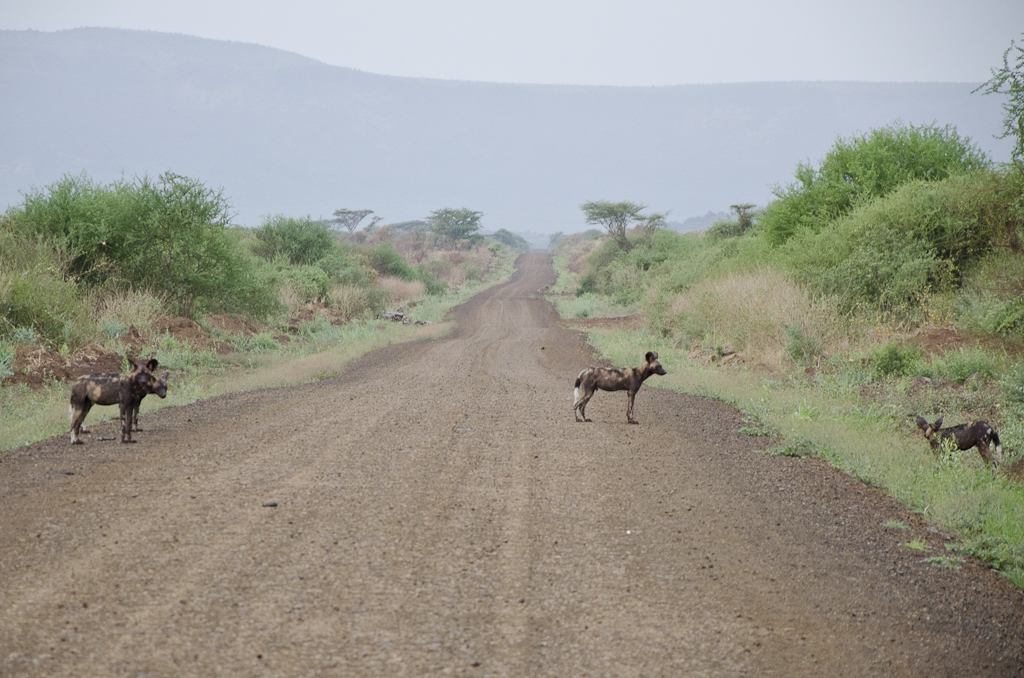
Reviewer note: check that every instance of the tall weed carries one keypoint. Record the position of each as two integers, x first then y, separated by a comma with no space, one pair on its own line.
126,308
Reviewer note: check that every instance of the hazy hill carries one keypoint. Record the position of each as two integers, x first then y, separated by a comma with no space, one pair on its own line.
285,134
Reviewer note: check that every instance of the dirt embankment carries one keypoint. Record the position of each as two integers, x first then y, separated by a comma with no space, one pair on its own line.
436,509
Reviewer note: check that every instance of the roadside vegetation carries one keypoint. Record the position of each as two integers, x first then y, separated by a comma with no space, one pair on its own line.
157,268
883,283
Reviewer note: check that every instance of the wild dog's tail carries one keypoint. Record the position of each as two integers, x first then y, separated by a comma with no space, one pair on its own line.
999,447
576,388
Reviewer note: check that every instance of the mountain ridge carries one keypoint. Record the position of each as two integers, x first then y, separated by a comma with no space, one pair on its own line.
284,133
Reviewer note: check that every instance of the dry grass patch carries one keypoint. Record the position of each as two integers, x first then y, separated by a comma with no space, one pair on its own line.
399,291
456,267
121,309
350,301
291,298
761,313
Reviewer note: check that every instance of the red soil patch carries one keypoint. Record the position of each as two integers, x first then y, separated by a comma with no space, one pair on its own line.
941,340
34,366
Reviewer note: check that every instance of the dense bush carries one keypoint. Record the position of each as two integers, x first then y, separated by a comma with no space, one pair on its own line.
386,260
170,236
37,302
308,283
863,168
510,239
889,252
303,241
893,360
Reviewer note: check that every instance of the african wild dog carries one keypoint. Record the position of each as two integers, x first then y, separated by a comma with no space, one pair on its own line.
612,379
159,388
975,434
124,390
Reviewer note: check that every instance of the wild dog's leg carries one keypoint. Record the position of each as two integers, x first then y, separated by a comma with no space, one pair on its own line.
78,412
126,422
76,425
581,395
990,438
629,409
581,406
984,451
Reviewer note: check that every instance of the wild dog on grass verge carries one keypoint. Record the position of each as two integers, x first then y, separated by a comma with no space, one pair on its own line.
613,379
975,434
124,390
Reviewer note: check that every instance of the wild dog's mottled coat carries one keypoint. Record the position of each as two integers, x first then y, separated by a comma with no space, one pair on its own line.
613,379
974,434
124,390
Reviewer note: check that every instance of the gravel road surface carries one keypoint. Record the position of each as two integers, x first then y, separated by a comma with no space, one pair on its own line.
436,510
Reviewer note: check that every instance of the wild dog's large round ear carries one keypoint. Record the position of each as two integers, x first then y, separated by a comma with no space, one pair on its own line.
938,423
651,355
921,423
152,364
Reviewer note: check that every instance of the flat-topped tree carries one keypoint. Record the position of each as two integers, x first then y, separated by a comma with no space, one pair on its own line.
619,217
451,224
349,219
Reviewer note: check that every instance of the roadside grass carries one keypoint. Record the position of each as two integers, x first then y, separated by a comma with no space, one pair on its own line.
320,351
28,415
590,305
875,444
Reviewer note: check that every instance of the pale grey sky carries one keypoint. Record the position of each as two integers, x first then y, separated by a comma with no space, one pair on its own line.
587,42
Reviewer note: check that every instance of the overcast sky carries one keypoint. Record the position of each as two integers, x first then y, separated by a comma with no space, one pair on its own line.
587,42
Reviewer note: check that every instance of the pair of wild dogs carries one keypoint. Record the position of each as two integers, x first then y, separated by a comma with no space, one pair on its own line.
124,390
613,379
965,436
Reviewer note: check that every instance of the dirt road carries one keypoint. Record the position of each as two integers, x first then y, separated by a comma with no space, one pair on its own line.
438,511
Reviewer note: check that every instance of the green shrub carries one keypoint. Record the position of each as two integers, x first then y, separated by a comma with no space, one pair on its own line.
7,351
964,363
310,283
342,267
511,239
802,348
304,241
1013,383
257,343
888,253
112,327
862,168
893,360
39,298
386,260
721,230
170,236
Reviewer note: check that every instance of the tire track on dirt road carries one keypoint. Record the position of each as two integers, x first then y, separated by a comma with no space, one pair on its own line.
439,511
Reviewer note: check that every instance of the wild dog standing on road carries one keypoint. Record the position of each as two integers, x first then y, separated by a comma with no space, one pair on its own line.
975,434
124,390
613,379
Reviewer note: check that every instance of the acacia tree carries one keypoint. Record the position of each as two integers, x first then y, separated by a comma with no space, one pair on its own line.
744,216
619,217
1009,80
349,219
450,224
